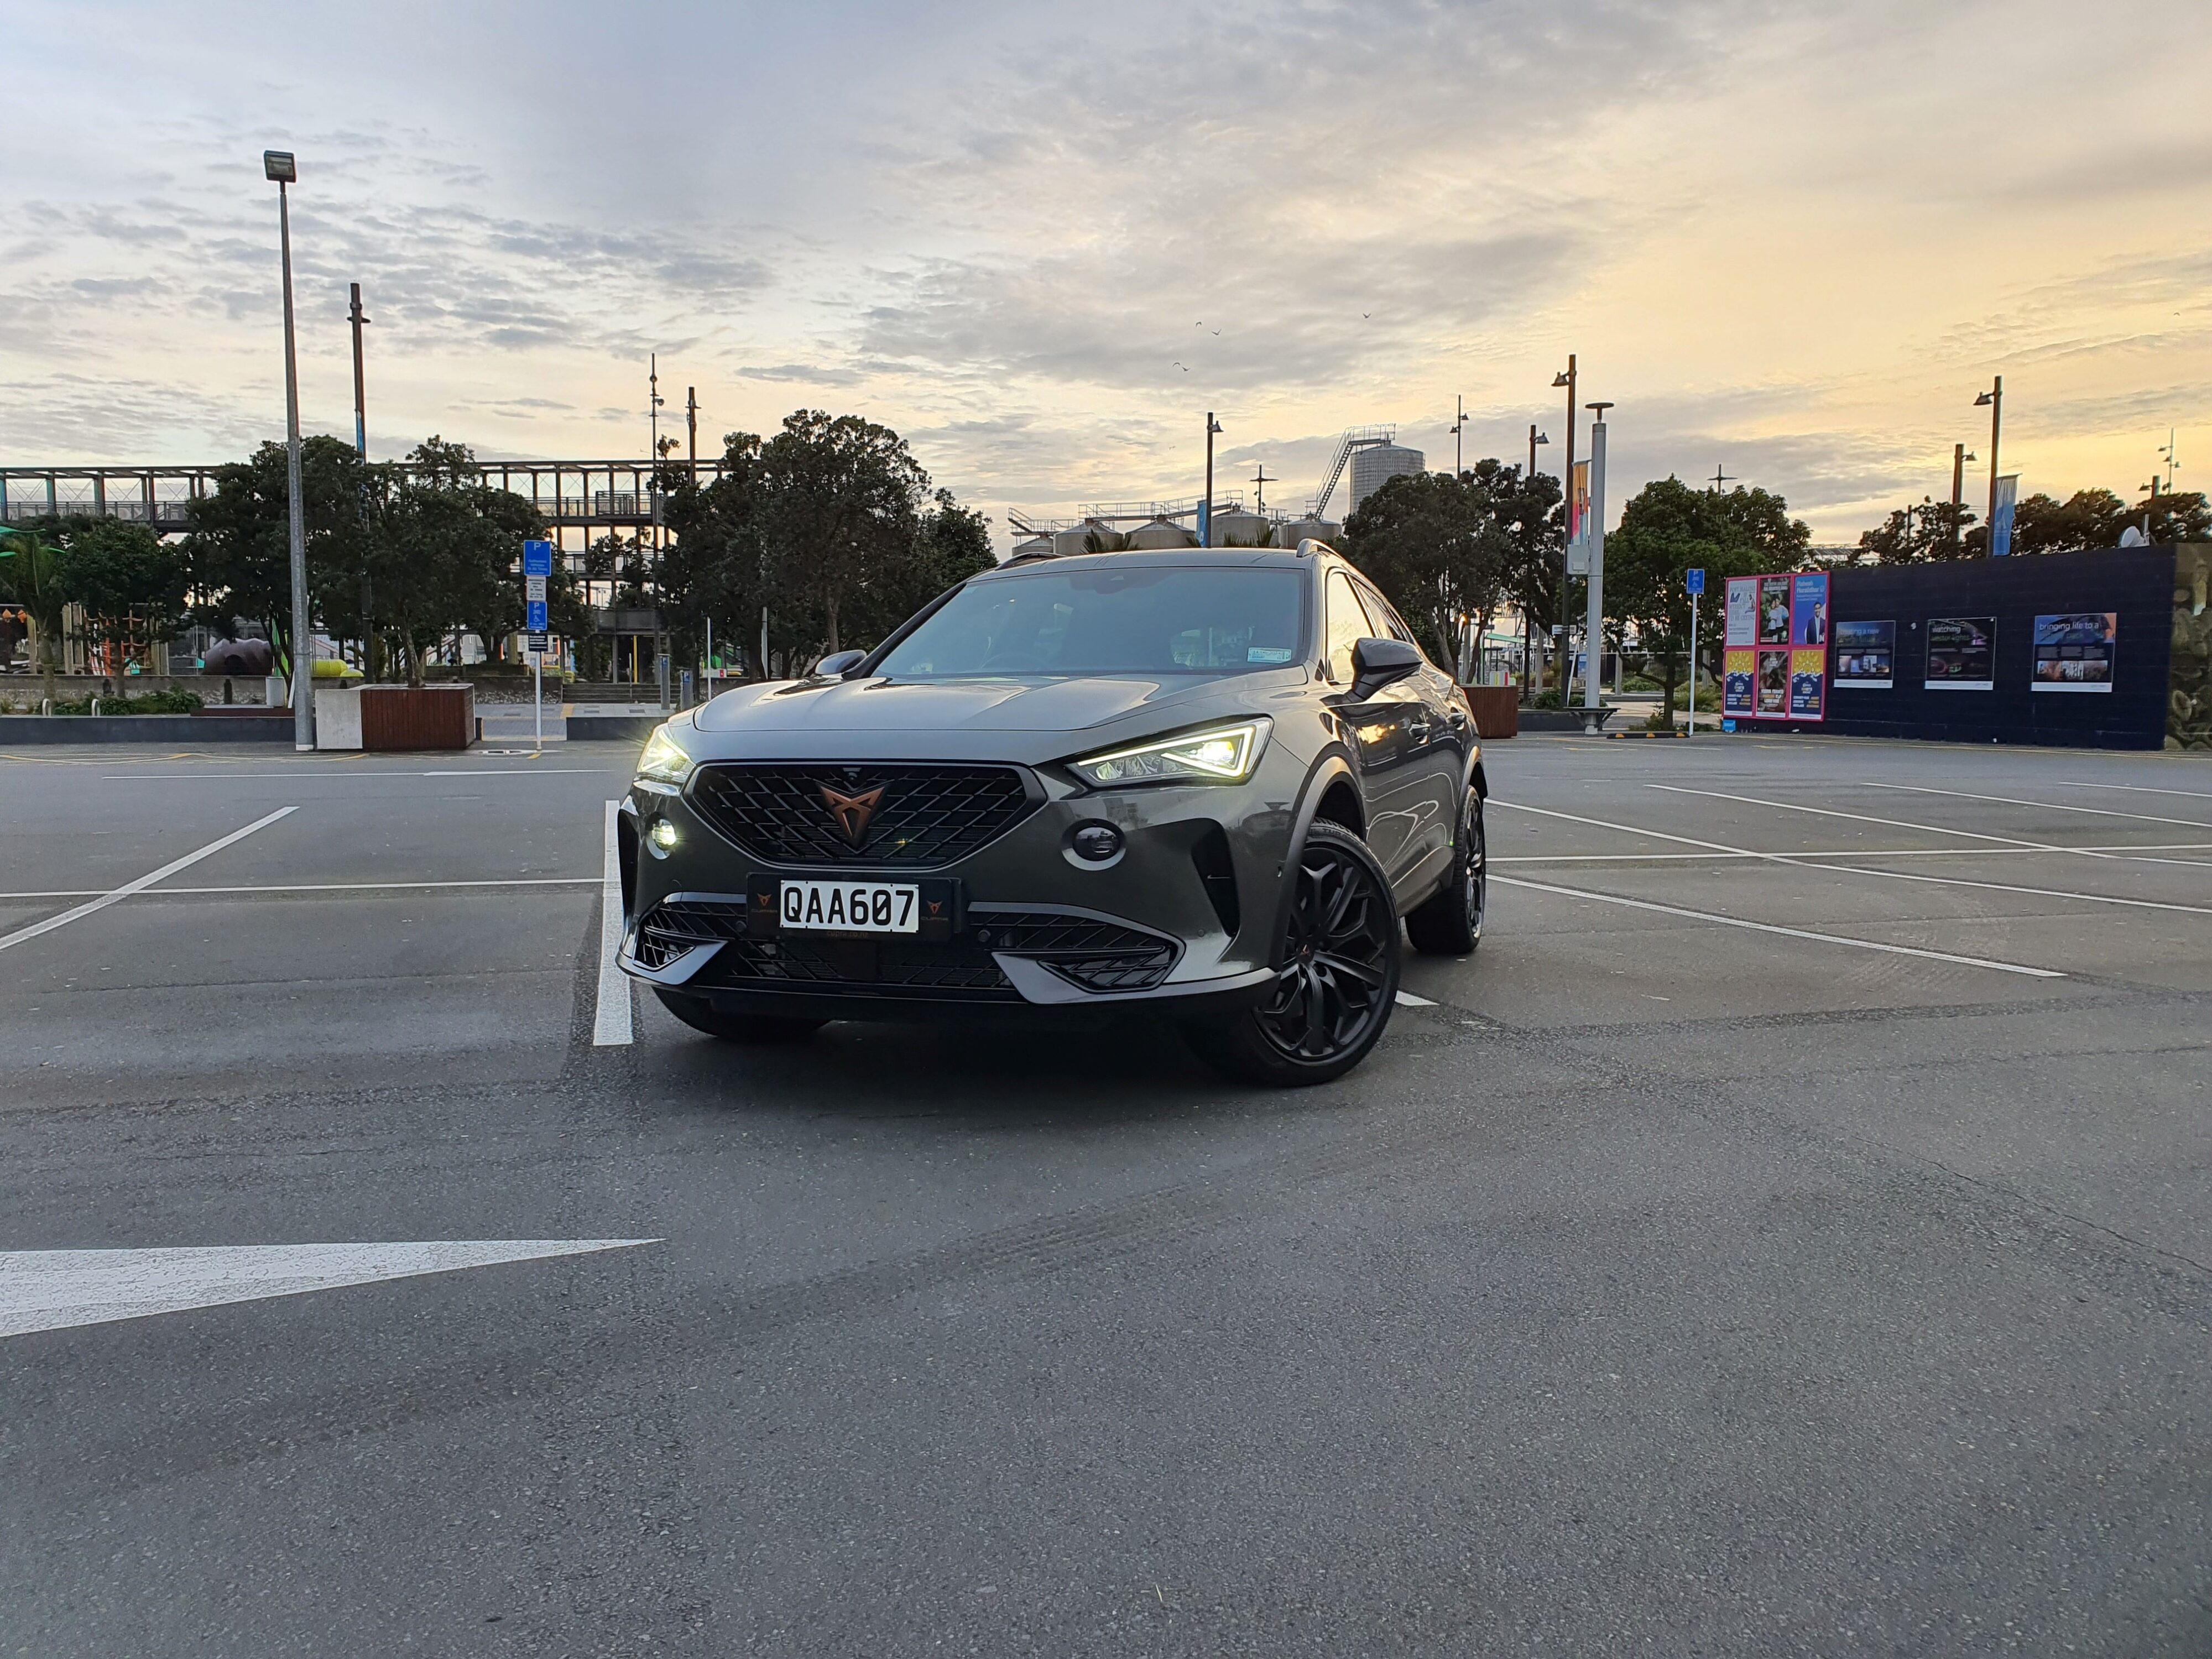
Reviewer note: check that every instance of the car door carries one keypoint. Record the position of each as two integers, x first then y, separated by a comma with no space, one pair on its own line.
1435,730
1376,727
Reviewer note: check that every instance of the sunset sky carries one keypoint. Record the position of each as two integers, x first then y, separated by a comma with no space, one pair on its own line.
1792,242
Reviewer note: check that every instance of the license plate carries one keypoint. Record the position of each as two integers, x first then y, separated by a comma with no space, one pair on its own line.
850,907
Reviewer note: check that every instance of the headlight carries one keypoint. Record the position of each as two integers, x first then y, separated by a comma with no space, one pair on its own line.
1219,754
663,766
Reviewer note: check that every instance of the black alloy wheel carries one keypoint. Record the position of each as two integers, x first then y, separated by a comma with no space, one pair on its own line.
1337,980
701,1015
1449,924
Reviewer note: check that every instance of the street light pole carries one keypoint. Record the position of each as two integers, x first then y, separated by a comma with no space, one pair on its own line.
1212,426
1594,624
1459,426
1567,495
1993,399
1959,456
279,167
360,319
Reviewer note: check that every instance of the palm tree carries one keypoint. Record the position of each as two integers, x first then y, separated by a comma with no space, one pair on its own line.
34,573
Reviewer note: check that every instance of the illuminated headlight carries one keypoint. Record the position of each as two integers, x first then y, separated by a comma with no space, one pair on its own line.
1219,754
664,834
663,767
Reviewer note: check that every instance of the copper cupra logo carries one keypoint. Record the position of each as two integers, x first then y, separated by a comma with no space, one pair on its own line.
852,811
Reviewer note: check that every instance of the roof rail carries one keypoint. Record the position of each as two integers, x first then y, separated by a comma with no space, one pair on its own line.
1310,549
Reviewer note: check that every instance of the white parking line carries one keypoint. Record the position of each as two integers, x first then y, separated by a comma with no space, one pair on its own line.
355,774
1810,861
143,882
334,887
2138,789
1823,853
2047,805
1408,999
610,1023
1788,932
1924,829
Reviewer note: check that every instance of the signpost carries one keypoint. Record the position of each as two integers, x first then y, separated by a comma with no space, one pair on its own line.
537,571
1696,585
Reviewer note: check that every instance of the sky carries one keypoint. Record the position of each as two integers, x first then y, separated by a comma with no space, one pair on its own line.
1041,240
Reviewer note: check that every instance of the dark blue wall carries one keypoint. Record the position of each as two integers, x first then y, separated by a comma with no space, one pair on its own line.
2135,582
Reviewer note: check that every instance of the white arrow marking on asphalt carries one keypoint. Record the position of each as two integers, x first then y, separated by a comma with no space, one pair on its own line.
51,1290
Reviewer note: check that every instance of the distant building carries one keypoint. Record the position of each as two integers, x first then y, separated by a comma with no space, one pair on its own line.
1376,464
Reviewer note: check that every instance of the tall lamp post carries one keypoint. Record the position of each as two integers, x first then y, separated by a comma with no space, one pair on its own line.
1594,624
1459,426
1535,437
1565,378
359,319
1205,517
1993,400
279,165
1959,456
1528,633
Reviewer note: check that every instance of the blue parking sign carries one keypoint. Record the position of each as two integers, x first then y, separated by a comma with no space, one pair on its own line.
1697,582
538,558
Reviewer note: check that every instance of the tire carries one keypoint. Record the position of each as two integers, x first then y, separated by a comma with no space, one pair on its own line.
1449,923
702,1015
1338,981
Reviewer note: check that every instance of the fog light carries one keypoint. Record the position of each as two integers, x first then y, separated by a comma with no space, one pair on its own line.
1096,843
664,834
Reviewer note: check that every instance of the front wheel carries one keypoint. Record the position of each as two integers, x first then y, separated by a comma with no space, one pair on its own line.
1449,924
702,1015
1337,978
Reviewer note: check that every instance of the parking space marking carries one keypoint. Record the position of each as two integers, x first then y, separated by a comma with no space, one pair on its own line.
1408,999
611,1020
1825,852
59,1289
355,774
1809,861
119,894
332,887
2047,805
1925,829
2136,788
1719,919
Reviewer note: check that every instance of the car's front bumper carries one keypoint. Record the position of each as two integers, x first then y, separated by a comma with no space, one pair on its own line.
1182,919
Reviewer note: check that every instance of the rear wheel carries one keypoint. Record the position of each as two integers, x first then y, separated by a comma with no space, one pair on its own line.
1449,924
1333,992
702,1015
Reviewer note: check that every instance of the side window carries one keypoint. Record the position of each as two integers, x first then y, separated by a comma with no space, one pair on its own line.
1388,625
1347,626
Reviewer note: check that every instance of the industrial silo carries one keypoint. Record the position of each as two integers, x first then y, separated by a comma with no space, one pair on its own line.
1309,530
1162,533
1375,465
1237,528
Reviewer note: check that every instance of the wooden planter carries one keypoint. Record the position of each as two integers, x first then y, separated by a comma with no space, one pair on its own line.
1496,710
398,717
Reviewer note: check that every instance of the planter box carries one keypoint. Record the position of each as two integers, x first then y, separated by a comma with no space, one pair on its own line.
1496,710
400,717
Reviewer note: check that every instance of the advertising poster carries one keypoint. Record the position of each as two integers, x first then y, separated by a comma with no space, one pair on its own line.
1578,501
1735,688
1866,654
2075,653
1962,653
1808,682
1773,685
2004,504
1774,610
1808,615
1742,613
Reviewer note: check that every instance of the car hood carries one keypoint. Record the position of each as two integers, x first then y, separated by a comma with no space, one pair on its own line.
1010,716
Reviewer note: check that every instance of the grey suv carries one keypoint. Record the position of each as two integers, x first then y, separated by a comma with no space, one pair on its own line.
1205,785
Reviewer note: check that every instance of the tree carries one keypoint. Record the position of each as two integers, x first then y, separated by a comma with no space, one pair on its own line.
839,503
1667,529
1434,544
1532,510
238,554
31,576
121,574
1917,535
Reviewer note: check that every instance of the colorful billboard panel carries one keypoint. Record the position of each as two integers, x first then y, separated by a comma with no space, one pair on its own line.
1866,655
1962,653
2075,652
1808,682
1735,688
1808,615
1743,612
1774,610
1773,685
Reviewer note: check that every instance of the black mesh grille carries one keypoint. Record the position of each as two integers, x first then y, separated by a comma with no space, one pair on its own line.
925,816
1096,955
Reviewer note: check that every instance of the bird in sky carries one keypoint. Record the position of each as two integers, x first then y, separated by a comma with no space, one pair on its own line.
1184,370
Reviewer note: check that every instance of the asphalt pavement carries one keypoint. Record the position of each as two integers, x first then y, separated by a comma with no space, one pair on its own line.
1790,1232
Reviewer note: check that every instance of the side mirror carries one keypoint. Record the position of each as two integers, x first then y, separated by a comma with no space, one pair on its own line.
838,663
1378,663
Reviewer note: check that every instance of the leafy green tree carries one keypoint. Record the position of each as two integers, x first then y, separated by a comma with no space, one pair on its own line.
1670,528
123,575
238,554
31,576
1917,535
1434,544
840,503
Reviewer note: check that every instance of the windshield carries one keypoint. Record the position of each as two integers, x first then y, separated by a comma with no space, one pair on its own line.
1143,620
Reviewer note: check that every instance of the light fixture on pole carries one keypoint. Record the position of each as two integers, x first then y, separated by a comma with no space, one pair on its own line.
1959,456
1535,437
1206,507
1993,400
1458,426
281,169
